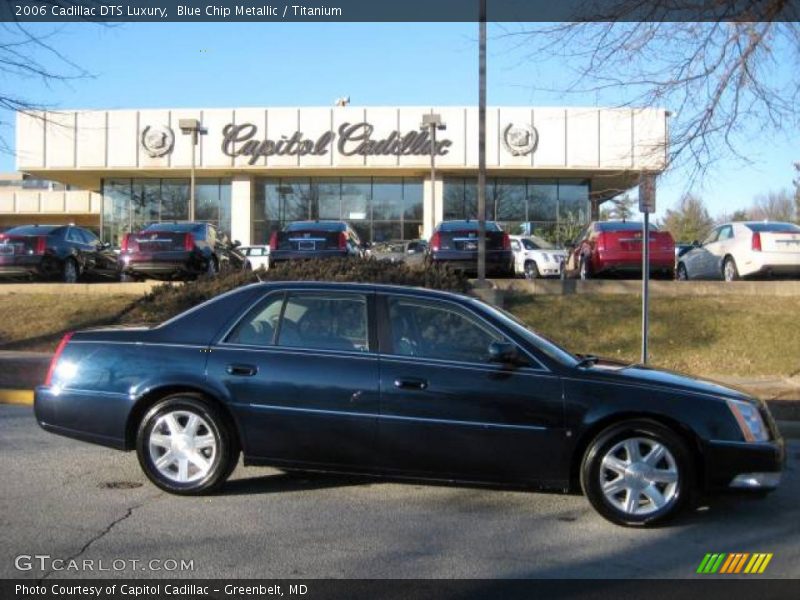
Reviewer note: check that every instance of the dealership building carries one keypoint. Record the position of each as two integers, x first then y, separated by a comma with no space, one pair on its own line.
256,169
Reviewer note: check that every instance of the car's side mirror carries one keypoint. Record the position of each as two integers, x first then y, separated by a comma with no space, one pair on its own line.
696,243
503,352
570,245
236,243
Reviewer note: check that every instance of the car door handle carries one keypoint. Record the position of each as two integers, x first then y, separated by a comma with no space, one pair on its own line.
410,384
242,370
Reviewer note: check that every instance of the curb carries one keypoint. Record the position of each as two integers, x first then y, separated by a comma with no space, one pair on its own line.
789,429
20,397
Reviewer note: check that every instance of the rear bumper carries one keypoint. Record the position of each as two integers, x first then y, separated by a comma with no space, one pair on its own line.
743,465
163,264
277,256
770,263
22,266
496,261
632,264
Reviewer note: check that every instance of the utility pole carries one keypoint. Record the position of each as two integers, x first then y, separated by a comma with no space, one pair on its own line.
482,145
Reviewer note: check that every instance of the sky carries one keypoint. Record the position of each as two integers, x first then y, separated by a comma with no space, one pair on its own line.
174,65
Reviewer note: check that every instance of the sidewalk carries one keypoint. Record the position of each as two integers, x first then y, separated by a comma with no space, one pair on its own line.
20,372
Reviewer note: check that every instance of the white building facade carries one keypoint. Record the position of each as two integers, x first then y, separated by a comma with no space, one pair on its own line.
256,169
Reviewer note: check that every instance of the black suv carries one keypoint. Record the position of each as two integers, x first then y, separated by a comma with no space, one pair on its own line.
63,252
177,250
315,239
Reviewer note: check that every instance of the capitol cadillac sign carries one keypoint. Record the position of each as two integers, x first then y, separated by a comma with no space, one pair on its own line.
351,139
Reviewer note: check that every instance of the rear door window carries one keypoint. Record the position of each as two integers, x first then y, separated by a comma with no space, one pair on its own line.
319,321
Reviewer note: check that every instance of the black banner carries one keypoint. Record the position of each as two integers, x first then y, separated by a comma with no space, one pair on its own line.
398,589
392,10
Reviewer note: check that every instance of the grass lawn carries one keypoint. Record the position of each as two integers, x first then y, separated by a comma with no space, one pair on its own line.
37,321
703,335
707,335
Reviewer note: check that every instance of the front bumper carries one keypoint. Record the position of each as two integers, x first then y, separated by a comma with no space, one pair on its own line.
743,465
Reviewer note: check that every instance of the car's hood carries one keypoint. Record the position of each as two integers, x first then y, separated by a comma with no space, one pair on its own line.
634,373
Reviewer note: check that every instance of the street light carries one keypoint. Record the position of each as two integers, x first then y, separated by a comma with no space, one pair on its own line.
191,127
482,143
432,122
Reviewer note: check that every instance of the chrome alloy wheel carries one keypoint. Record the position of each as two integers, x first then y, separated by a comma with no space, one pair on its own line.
729,270
182,446
639,476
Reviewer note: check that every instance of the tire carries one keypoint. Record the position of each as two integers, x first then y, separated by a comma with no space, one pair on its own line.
682,273
70,272
531,270
211,268
651,492
198,462
584,272
729,270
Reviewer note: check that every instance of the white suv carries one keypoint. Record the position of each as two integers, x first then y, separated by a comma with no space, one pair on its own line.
535,257
735,250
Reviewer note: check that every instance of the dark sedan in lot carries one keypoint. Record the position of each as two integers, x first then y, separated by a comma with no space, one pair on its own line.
177,250
456,243
406,382
63,252
315,239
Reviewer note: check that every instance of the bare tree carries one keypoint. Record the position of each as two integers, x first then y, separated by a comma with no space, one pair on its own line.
27,54
689,221
796,182
621,208
723,69
773,206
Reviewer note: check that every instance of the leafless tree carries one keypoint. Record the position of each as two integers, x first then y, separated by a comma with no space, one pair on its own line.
723,68
773,206
27,54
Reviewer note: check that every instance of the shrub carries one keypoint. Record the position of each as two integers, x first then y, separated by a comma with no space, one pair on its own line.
169,299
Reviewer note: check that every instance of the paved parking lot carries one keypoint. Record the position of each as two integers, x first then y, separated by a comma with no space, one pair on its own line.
68,500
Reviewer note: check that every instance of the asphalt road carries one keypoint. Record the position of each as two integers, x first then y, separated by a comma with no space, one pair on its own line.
57,498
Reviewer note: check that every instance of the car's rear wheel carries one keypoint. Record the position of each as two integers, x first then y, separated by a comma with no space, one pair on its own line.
70,271
683,274
531,270
185,446
729,270
583,269
637,473
211,268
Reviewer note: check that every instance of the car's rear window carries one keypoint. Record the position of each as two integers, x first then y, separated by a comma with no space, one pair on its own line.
316,226
177,227
467,226
622,226
32,230
773,227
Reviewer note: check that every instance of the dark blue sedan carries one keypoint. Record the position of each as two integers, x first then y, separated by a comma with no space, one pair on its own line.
393,381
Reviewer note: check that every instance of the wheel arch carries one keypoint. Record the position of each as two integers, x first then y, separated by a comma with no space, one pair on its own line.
586,437
152,396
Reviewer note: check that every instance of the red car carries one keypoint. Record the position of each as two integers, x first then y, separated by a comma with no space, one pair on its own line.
616,247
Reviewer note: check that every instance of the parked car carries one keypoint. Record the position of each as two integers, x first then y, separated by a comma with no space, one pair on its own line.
405,251
535,257
615,247
746,249
177,250
456,243
256,257
63,252
315,239
406,382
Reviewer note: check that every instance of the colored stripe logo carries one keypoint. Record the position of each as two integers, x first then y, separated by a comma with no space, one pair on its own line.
735,562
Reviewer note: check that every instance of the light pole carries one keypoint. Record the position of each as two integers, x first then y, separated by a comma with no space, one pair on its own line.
431,122
191,127
482,145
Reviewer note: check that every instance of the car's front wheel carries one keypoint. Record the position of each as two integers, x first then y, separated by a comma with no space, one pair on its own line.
729,270
583,269
683,274
185,446
637,473
531,270
70,272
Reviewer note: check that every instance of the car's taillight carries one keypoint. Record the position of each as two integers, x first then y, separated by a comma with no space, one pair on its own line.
54,361
273,241
756,242
188,242
506,242
436,242
342,240
129,243
41,244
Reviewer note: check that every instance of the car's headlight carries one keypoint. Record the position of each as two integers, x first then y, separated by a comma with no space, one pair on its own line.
749,420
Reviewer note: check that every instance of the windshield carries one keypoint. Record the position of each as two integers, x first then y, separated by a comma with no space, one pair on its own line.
536,243
548,347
